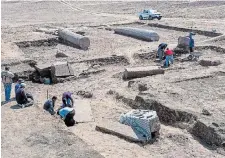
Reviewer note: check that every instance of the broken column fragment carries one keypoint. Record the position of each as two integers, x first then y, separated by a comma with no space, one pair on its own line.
183,45
76,39
138,72
147,35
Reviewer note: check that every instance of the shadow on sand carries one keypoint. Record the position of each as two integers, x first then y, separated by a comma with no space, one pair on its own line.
5,102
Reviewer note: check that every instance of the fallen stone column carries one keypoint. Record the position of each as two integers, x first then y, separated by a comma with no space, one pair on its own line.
142,34
138,72
76,39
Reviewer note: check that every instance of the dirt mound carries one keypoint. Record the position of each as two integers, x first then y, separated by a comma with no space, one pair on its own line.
11,51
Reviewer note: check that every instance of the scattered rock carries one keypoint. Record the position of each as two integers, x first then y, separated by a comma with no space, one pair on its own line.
221,150
60,55
85,94
223,144
210,63
206,112
81,33
108,29
142,87
110,92
130,83
215,124
95,66
88,72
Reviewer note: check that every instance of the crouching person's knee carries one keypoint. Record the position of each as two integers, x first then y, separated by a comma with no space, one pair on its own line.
30,102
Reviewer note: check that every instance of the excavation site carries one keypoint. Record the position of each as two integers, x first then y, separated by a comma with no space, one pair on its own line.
146,78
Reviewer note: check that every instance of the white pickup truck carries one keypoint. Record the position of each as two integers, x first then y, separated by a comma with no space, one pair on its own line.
150,14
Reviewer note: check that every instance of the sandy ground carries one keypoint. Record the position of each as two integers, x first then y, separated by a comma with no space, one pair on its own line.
20,21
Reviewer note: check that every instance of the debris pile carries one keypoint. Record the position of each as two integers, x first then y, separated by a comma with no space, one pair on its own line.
85,94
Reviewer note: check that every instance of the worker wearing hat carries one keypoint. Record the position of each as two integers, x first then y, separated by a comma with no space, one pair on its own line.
23,99
17,86
160,52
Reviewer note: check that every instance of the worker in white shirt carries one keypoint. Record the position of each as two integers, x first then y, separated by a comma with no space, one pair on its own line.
7,77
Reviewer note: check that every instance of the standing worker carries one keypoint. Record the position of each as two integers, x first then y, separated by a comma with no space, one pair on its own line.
191,42
169,57
7,77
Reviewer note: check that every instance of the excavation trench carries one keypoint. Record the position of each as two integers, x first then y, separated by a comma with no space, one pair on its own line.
200,32
156,25
152,55
174,117
38,43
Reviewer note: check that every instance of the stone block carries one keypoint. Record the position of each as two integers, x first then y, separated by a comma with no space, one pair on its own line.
119,130
83,111
61,69
43,69
183,41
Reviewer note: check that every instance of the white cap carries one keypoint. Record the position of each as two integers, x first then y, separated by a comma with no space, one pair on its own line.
23,85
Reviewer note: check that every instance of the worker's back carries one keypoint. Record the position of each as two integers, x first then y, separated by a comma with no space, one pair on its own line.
20,96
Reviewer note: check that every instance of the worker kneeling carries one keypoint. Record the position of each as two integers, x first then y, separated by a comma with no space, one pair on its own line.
22,98
67,115
169,57
50,104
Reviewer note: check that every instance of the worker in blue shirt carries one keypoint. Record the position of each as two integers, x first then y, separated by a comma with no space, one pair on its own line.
50,104
17,86
191,42
67,115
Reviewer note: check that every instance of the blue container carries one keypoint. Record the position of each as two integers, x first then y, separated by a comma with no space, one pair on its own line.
47,81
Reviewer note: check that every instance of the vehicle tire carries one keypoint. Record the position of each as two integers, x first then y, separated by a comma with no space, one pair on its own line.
159,18
150,18
140,17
